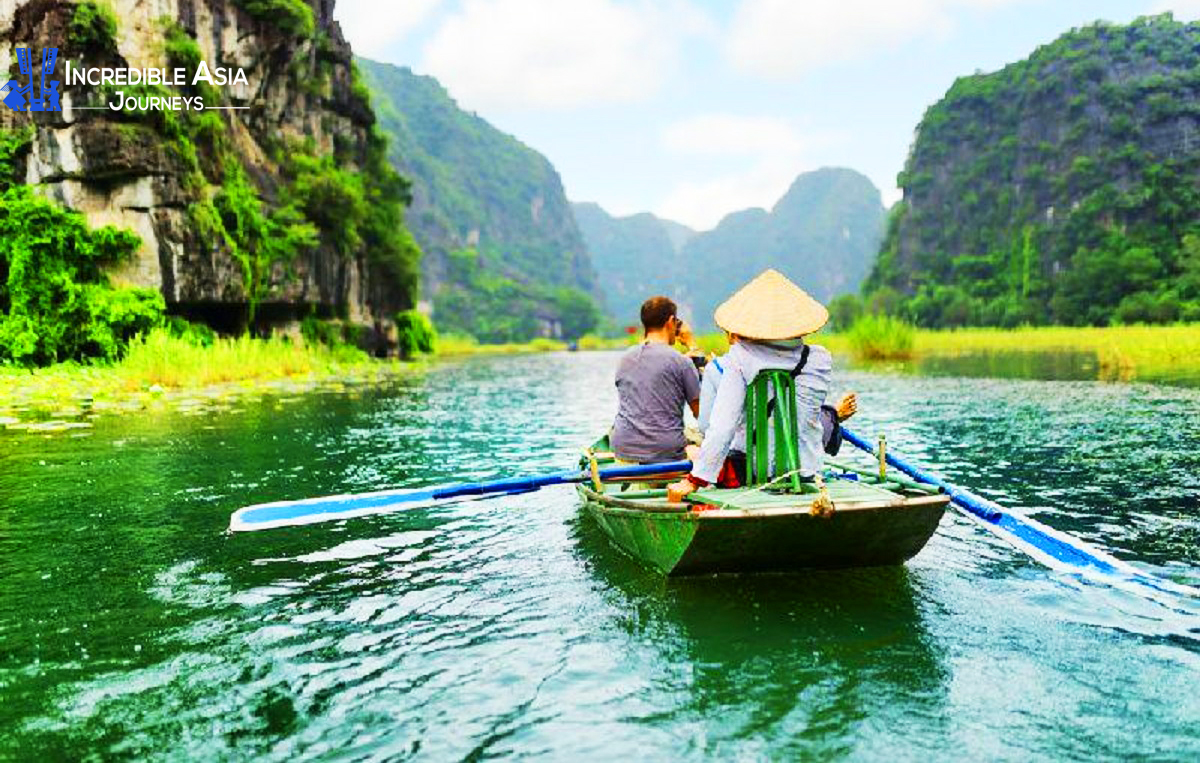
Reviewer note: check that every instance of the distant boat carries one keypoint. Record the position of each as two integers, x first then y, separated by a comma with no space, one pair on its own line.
874,522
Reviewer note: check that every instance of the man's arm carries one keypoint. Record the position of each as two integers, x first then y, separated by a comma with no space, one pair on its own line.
689,380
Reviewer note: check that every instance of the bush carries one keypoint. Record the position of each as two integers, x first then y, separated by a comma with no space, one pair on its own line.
56,301
289,16
882,337
110,318
414,333
595,342
884,301
14,147
1144,307
333,334
939,306
332,198
93,27
195,334
544,344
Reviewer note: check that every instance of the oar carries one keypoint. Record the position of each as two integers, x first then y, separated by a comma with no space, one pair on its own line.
1054,548
265,516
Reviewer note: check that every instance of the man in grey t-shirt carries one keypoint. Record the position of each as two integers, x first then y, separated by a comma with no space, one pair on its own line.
654,382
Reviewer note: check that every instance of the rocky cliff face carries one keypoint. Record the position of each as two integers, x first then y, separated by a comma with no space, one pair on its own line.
823,233
190,184
477,188
1060,188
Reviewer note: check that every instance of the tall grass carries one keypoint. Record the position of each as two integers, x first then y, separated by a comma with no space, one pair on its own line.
456,345
593,342
718,344
159,358
1122,352
158,364
881,337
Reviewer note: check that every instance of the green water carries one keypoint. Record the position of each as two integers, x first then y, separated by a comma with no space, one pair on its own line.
132,627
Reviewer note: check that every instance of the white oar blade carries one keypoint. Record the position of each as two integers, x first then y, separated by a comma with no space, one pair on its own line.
266,516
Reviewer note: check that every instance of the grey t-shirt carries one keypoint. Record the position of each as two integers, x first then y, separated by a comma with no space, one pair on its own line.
654,382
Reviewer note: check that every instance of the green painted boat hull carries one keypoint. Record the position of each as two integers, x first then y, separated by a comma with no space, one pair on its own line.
778,535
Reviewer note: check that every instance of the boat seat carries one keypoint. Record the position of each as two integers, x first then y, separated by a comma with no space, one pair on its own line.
771,419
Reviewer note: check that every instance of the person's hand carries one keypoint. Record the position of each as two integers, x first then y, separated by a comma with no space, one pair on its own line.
685,335
847,406
677,490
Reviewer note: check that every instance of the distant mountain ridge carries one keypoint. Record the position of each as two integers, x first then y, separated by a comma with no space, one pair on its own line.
503,257
823,234
635,257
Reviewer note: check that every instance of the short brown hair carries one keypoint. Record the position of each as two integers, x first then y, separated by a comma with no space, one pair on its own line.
656,311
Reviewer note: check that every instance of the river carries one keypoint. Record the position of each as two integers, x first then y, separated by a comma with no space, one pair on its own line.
132,627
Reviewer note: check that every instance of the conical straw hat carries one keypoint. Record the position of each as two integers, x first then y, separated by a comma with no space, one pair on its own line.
771,307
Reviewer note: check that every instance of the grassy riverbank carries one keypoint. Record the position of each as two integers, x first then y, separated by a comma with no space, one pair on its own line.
1122,352
456,346
160,370
164,371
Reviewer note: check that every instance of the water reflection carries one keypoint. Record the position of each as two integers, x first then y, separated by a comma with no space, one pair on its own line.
803,664
1013,364
1044,365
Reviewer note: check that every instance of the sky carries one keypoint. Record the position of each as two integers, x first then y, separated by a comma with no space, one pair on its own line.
692,109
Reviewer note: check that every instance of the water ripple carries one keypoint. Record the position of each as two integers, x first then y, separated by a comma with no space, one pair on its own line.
130,626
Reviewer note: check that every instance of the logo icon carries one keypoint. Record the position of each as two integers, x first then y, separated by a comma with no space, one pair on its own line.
23,98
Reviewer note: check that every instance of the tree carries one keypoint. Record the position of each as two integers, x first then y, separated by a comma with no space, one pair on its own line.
577,312
844,310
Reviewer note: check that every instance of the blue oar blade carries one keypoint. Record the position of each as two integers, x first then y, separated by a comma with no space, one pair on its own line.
1053,548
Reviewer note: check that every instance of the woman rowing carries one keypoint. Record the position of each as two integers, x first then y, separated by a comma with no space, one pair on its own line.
768,318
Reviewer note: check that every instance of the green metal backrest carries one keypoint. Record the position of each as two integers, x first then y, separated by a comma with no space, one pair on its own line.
765,411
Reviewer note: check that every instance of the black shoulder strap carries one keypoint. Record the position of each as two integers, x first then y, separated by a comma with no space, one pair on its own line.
800,366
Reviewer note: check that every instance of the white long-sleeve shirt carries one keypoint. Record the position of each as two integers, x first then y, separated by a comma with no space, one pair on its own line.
726,421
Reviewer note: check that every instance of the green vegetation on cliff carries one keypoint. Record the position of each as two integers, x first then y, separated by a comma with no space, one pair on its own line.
294,17
496,309
347,202
55,300
1060,189
93,26
228,198
503,258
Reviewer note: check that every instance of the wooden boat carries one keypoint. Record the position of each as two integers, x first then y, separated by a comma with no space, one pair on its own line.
874,522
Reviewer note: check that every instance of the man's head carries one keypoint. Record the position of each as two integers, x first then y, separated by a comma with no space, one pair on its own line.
658,315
